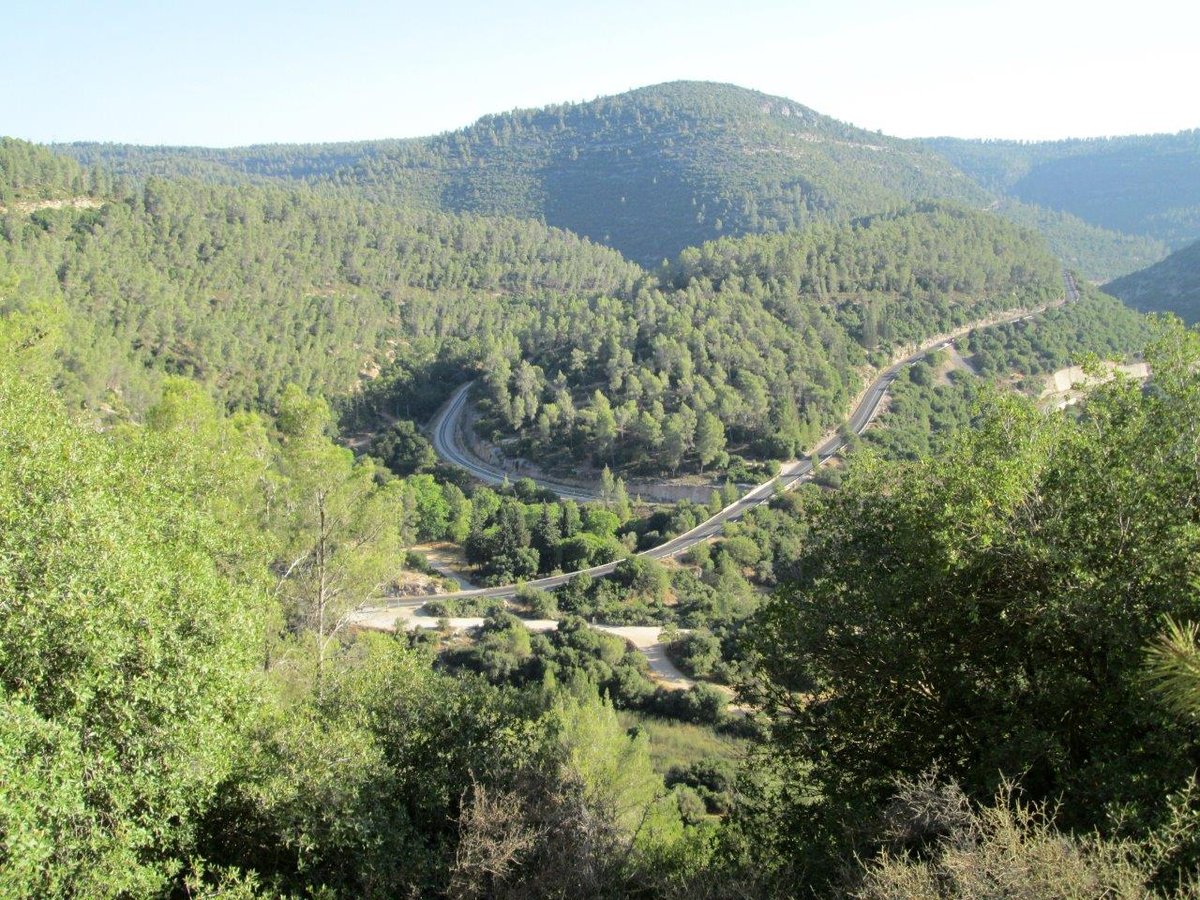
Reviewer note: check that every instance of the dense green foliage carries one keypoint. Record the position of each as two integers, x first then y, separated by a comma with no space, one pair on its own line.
1144,185
986,612
574,654
655,170
766,336
403,449
251,288
520,532
127,643
922,414
230,165
1098,253
662,168
1060,337
1172,285
181,704
32,173
933,399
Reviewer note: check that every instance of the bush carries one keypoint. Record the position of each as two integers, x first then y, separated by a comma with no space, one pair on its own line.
702,704
697,653
1007,849
712,778
541,604
642,577
418,563
742,550
463,607
692,808
403,449
698,555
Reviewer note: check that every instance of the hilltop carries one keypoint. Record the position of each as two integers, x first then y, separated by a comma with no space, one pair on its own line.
657,169
661,168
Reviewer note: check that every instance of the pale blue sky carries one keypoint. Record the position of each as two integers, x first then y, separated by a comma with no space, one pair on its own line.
221,73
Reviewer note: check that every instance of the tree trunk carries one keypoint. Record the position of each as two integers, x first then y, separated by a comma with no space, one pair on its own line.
321,548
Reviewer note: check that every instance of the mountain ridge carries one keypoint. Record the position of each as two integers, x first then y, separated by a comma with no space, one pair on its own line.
659,168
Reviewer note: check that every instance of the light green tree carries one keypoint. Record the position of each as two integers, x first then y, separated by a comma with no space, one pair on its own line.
710,439
604,425
342,537
607,486
129,635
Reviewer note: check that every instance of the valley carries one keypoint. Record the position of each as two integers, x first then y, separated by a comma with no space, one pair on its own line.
679,493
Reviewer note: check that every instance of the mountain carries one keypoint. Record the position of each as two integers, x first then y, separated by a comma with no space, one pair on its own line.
1142,185
1172,285
661,168
648,172
657,169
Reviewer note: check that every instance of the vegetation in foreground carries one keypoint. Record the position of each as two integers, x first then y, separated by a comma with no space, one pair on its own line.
181,710
972,663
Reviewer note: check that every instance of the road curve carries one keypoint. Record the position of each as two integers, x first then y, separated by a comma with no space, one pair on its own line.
791,474
447,441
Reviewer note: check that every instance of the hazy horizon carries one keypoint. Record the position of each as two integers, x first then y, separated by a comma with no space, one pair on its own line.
271,73
377,138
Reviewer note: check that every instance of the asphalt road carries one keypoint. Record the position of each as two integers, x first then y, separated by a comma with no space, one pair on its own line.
446,442
446,437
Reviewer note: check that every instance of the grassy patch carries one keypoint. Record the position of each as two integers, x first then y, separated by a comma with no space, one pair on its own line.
680,743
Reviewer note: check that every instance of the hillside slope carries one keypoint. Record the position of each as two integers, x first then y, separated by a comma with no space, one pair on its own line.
661,168
1172,285
1145,185
768,335
655,170
251,287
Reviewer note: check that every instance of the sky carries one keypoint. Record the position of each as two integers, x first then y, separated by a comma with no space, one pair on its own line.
223,73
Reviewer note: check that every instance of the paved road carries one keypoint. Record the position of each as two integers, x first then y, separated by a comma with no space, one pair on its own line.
791,474
446,437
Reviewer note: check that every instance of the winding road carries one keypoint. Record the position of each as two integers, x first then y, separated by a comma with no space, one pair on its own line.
446,436
446,441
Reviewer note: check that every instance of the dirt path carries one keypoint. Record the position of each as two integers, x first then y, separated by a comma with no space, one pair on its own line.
446,559
646,638
1067,386
28,206
959,361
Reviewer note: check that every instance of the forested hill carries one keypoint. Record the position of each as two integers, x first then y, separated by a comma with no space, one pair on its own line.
647,172
251,287
248,288
1172,285
761,340
661,168
29,172
1145,185
230,164
655,170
